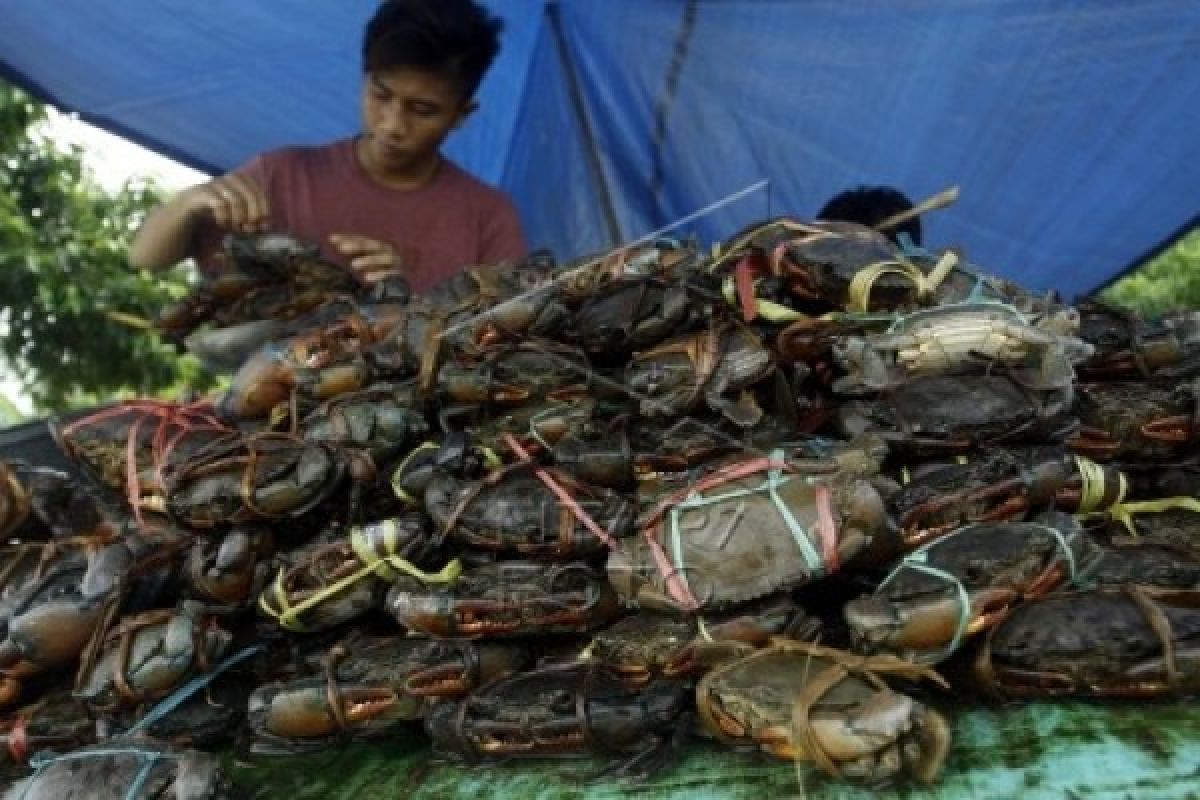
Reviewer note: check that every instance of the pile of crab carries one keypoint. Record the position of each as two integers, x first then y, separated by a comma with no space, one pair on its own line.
804,493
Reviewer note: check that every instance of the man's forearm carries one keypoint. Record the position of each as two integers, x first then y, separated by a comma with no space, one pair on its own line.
166,236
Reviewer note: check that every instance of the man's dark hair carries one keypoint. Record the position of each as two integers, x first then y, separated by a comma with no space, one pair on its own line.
870,205
457,39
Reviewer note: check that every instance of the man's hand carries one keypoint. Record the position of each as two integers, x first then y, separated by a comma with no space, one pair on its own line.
371,260
236,204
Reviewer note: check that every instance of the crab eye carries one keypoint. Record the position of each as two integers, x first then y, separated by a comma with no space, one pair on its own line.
562,702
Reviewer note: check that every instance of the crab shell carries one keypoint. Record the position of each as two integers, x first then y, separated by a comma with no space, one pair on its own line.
112,769
160,654
805,702
1136,421
1129,641
645,645
514,511
265,476
952,339
732,547
507,599
573,709
946,414
712,368
981,570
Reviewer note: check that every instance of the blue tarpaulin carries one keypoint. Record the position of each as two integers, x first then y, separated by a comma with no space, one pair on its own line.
1070,125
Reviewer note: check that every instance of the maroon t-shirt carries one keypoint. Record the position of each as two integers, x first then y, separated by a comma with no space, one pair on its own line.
454,221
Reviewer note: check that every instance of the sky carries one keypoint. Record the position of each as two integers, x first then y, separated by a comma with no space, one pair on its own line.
112,161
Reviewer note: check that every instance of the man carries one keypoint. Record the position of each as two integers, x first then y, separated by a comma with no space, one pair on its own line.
871,205
385,201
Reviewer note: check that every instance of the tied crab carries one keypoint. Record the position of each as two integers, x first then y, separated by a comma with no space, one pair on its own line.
370,687
821,266
932,415
997,485
129,769
529,511
713,369
961,338
56,721
1136,421
965,583
228,571
531,372
382,419
749,528
573,709
1128,641
646,645
130,446
508,599
635,313
1129,347
330,583
147,656
804,702
260,477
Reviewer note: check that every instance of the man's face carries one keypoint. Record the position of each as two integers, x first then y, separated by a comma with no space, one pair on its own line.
407,114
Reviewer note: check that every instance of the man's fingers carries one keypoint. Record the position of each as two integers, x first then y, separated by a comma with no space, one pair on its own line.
236,203
351,246
251,201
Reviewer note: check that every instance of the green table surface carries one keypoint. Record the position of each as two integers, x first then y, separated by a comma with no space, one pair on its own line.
1063,751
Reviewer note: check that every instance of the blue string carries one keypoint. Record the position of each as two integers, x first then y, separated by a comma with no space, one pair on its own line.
180,695
148,757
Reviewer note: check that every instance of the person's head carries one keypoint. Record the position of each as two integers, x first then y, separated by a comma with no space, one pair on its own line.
870,205
422,62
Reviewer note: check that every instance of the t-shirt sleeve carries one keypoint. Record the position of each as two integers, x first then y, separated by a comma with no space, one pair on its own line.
502,238
208,236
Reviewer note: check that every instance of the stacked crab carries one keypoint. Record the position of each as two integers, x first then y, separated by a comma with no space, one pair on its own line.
795,493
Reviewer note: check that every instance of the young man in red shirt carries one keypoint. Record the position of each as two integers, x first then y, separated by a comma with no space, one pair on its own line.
385,201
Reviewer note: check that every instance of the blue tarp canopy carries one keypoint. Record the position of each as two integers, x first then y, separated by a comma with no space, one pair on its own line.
1071,126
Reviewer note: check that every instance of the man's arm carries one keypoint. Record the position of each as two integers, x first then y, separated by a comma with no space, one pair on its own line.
169,234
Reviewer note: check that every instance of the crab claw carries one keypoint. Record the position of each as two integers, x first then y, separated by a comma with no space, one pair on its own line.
1173,430
447,680
307,713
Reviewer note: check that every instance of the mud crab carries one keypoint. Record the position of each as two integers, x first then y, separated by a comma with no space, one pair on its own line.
996,485
147,656
714,368
804,702
1136,421
517,510
965,583
126,770
646,645
1130,347
259,477
934,415
952,339
507,599
370,687
747,529
573,709
1130,641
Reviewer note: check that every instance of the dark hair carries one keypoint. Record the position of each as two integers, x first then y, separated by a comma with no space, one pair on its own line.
456,39
870,205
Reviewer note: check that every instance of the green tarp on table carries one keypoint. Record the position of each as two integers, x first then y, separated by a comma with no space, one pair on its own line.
1064,751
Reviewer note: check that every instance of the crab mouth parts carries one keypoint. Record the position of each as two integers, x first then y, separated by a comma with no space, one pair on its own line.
513,618
513,742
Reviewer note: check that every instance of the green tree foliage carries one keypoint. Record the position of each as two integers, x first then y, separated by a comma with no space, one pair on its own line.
63,267
1170,282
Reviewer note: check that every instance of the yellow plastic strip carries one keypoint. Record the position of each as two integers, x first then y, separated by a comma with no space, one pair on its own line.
288,616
